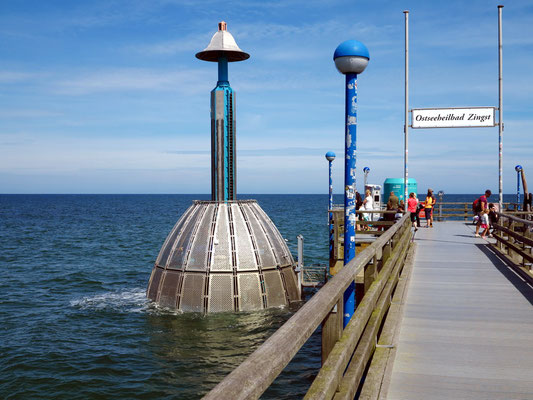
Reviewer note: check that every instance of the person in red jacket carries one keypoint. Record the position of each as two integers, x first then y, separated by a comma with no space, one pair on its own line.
412,203
483,205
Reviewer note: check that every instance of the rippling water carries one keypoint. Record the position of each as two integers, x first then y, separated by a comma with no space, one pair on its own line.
74,320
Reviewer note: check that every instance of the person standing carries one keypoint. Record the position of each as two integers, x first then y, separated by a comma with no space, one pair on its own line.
358,205
482,205
368,204
412,204
393,202
392,205
485,223
428,208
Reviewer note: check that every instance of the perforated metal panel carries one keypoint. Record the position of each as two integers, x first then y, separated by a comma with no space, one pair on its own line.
278,243
221,260
220,293
202,239
154,283
274,289
198,257
291,283
192,293
177,257
265,252
169,286
162,259
245,251
249,292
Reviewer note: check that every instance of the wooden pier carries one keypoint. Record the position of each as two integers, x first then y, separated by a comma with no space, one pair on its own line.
442,317
467,330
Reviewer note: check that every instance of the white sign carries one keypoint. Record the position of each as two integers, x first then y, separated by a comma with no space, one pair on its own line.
473,117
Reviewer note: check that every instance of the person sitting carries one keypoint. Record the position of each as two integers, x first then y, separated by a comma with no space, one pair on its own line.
493,217
399,211
392,205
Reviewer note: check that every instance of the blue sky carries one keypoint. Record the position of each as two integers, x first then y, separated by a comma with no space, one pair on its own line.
107,96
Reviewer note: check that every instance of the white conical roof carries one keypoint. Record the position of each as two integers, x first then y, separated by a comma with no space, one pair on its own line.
222,44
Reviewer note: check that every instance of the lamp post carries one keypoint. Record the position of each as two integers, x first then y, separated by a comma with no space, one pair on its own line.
518,169
351,58
330,156
366,170
441,195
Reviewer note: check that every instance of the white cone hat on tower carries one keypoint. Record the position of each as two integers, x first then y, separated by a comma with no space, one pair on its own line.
222,44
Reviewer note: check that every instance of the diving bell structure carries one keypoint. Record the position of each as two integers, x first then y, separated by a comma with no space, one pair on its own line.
224,254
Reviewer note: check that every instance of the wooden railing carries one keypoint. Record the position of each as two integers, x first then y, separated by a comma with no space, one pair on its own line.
456,210
346,353
514,242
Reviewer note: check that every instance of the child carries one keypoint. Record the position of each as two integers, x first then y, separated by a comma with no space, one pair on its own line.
485,225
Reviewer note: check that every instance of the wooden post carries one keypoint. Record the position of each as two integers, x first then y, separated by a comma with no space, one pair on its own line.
370,272
387,249
510,239
466,211
331,330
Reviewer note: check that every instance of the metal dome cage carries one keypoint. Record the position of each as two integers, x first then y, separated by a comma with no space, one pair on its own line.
224,256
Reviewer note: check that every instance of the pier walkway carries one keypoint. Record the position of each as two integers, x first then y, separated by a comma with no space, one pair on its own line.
467,328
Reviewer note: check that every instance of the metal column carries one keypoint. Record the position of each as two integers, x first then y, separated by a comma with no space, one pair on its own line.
406,115
500,106
349,188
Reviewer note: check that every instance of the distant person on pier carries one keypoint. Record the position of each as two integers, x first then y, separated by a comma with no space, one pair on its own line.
368,204
480,205
485,223
358,204
419,208
493,216
393,202
392,205
428,208
399,211
412,204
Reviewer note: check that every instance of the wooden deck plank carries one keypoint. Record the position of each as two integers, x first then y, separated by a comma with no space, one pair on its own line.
467,330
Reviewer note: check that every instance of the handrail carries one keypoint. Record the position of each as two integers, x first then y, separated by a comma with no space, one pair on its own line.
514,243
258,371
516,219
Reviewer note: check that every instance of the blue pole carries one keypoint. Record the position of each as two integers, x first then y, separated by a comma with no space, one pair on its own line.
223,71
349,188
330,215
517,191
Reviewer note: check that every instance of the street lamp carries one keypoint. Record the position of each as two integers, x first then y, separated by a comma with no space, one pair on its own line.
351,58
518,169
366,170
441,195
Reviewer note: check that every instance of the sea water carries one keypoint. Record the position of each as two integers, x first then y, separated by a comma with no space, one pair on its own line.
74,319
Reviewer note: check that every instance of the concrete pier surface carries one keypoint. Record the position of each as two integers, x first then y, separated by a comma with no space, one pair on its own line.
467,329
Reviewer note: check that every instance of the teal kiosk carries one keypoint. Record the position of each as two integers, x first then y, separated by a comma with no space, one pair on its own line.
396,185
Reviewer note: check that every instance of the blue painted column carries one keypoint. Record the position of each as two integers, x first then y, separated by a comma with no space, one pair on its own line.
518,191
351,58
223,171
349,188
518,169
330,156
222,49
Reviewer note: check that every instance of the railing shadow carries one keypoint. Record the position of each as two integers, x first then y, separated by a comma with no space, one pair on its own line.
522,286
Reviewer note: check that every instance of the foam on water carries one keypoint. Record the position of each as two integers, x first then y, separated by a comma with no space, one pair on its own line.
132,300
